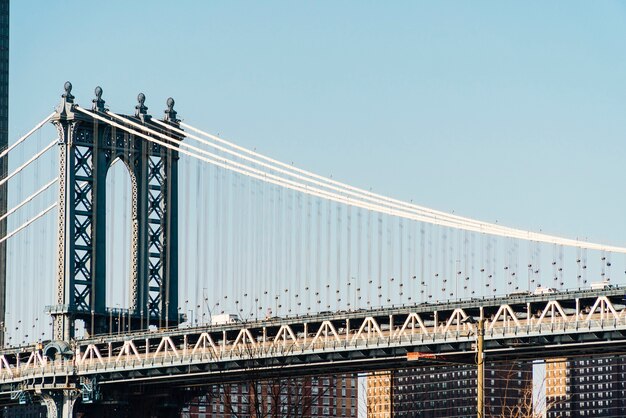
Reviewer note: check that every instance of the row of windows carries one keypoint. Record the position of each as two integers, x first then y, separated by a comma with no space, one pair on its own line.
467,374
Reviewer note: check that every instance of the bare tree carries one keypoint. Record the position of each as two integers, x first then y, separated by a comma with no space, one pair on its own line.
529,405
530,400
260,396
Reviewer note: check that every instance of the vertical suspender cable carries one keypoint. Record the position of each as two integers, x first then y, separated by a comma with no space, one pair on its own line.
339,237
328,241
380,259
359,248
318,257
308,248
370,256
198,250
350,292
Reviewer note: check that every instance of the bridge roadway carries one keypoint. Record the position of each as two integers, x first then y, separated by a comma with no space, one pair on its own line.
520,326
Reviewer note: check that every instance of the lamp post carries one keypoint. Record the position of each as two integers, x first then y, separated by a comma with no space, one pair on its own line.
480,363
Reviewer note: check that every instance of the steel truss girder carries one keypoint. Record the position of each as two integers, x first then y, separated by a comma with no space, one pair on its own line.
206,353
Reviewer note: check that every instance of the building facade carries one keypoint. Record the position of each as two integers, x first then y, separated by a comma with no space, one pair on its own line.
306,397
450,391
556,385
379,395
24,411
591,387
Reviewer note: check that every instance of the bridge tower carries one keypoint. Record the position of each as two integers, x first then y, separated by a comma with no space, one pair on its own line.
87,148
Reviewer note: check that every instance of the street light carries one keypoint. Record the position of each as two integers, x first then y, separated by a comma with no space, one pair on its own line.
480,362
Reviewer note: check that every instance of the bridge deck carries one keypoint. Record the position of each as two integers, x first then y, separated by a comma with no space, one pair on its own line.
524,326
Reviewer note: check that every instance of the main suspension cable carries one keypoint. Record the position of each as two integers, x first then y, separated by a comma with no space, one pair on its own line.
277,180
27,163
28,199
319,180
267,177
346,188
485,227
455,221
23,138
28,222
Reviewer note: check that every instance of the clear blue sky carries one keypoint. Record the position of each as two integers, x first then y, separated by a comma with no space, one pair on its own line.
514,112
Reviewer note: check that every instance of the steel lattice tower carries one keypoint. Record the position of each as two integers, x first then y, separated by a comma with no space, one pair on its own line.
87,148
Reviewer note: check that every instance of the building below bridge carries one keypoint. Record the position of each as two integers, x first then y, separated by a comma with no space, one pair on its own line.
24,411
379,394
449,390
586,387
326,396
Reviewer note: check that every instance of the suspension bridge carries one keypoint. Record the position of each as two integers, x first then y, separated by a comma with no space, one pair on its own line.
147,257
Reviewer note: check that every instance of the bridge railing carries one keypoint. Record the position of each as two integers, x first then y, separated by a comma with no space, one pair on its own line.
409,329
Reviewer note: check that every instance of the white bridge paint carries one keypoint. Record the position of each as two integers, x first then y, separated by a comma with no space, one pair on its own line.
133,352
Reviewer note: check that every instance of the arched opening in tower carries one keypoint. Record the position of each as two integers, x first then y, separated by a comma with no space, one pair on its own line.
118,235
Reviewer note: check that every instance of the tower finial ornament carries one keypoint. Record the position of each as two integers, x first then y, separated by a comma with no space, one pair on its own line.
68,96
98,103
170,113
141,110
65,109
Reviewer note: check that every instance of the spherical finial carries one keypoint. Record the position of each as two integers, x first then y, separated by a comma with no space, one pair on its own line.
170,113
141,109
98,103
67,96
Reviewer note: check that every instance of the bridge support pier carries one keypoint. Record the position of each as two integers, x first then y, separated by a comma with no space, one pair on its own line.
60,403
